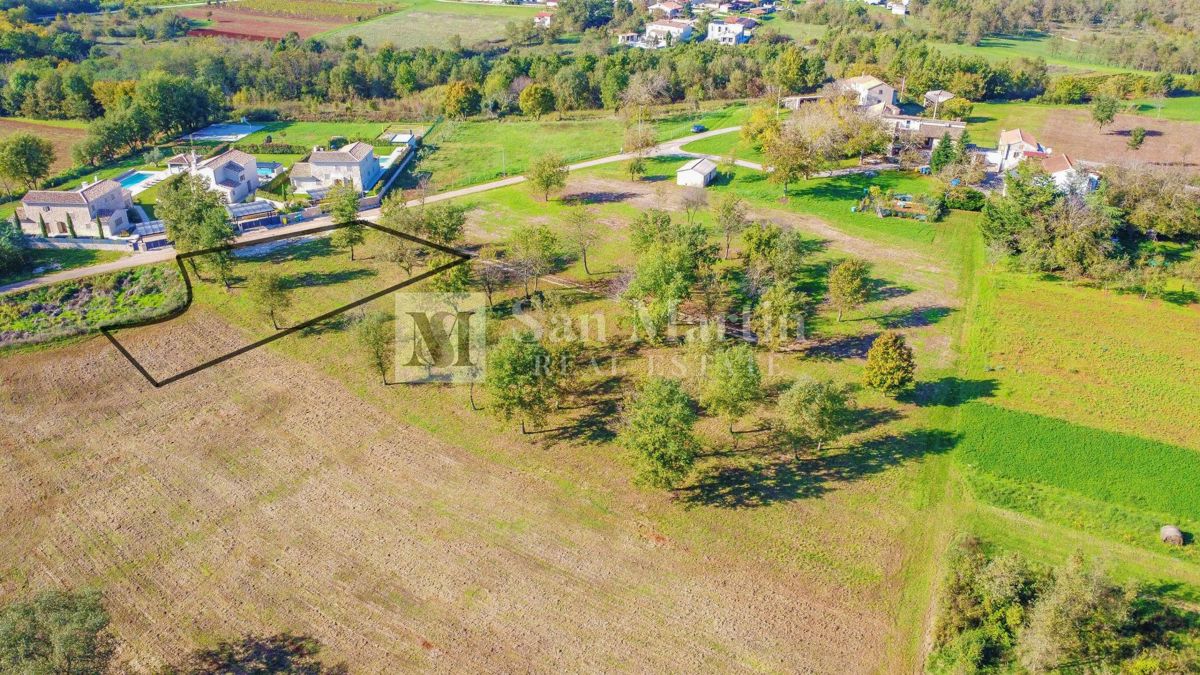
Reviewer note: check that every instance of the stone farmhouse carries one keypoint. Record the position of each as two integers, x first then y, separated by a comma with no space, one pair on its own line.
97,210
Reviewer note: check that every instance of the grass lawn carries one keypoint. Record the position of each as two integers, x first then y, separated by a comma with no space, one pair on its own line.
430,23
987,120
46,260
463,153
801,32
726,145
309,134
1033,46
1179,108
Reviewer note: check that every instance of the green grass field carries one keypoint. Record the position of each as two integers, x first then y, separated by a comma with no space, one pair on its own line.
461,153
726,145
1178,108
47,260
1058,54
309,134
430,23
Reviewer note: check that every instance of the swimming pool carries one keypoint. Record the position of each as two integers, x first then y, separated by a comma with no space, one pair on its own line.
134,179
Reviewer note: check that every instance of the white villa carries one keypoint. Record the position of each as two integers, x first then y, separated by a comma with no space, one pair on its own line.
696,173
666,33
354,164
232,173
92,210
734,30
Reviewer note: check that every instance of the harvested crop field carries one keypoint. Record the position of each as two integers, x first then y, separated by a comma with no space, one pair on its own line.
249,25
265,495
1168,142
62,136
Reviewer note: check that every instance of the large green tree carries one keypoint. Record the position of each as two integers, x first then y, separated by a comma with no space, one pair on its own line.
533,249
658,431
375,334
268,291
547,173
14,251
194,216
342,203
26,158
849,285
890,364
536,100
734,383
730,214
814,412
520,380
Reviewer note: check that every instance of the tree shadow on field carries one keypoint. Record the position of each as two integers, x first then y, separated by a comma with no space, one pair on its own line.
310,279
282,653
1180,297
598,197
949,391
841,347
914,317
762,481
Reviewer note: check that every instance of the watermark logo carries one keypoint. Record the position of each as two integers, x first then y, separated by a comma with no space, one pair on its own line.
440,337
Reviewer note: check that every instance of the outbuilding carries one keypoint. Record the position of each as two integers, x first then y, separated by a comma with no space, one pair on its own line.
696,173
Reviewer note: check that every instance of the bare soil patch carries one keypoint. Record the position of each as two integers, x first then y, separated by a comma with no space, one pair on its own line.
63,138
262,495
249,25
1168,143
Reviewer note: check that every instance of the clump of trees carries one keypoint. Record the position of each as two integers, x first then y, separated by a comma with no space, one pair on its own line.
815,137
1001,613
1093,236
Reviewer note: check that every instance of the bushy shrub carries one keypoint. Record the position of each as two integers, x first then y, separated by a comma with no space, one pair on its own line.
965,198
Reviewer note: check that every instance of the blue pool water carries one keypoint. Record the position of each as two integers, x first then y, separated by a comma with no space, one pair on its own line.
133,179
264,172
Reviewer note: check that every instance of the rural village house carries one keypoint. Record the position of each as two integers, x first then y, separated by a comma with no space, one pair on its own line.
1015,145
1068,175
668,9
93,210
354,164
543,19
870,90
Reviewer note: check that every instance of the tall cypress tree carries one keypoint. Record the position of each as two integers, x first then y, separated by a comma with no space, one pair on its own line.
943,154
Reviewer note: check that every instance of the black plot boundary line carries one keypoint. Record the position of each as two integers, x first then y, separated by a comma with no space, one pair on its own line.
109,329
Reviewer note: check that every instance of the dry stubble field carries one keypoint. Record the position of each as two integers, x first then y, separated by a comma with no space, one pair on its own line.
263,495
1168,143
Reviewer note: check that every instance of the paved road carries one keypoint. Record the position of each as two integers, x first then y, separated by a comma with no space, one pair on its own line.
161,255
